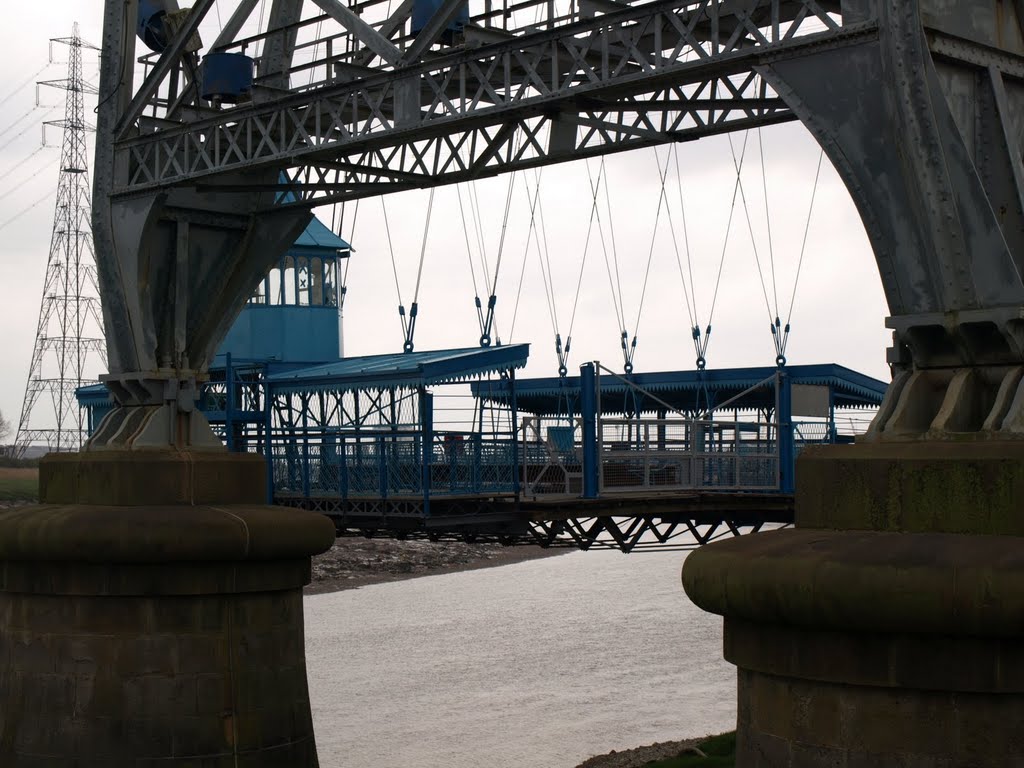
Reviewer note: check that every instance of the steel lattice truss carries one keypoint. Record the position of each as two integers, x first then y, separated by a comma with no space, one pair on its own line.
636,533
646,74
69,349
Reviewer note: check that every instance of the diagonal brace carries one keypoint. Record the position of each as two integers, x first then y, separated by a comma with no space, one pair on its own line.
168,59
366,34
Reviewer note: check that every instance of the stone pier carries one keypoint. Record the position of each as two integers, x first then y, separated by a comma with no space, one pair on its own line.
886,629
151,615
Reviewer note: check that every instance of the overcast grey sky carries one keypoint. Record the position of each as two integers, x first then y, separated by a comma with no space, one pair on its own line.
837,316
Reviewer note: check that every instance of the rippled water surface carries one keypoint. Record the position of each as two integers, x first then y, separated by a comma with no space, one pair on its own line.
534,665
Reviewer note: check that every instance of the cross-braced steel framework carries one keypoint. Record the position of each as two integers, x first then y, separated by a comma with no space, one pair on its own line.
917,103
576,84
69,349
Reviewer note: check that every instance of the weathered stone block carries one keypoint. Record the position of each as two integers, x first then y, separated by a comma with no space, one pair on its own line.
126,640
947,487
886,630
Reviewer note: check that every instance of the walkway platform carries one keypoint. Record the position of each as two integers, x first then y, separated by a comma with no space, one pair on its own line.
449,444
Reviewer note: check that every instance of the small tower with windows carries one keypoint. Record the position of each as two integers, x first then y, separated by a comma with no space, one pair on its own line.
292,317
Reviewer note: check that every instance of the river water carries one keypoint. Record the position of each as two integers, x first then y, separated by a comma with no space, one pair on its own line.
538,664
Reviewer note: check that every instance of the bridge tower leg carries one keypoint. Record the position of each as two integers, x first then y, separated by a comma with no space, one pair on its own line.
151,607
885,629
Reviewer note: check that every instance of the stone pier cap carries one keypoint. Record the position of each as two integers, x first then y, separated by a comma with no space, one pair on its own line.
867,581
156,523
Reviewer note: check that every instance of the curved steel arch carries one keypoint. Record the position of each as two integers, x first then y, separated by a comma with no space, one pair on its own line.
917,102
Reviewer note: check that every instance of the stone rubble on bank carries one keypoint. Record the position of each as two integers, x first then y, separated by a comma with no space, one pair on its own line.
641,756
355,562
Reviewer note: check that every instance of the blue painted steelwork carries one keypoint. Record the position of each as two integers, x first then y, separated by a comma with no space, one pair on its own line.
787,441
292,317
97,402
588,412
290,321
684,445
227,77
149,24
290,334
406,370
422,10
685,390
368,428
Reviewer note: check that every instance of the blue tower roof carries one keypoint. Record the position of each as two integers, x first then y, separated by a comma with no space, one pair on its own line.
318,236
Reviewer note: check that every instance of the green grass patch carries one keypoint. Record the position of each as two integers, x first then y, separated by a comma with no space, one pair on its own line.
10,461
19,484
720,751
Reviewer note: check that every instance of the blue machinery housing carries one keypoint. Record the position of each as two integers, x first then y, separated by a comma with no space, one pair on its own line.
450,442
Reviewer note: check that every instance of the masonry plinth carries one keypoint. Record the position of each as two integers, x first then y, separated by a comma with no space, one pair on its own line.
151,614
886,629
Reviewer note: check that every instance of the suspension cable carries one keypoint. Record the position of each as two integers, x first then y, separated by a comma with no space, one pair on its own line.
768,219
519,293
774,325
547,251
465,232
469,256
343,275
686,234
423,248
750,228
488,327
504,230
615,250
691,295
595,192
409,323
531,234
579,280
474,209
561,352
702,353
662,197
491,323
391,250
409,320
803,248
614,282
414,309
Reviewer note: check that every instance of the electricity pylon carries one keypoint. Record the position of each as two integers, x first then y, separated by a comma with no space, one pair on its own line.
69,349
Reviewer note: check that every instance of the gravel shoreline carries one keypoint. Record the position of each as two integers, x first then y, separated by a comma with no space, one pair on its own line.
641,756
357,562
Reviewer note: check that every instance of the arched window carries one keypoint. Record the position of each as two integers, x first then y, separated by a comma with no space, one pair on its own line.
302,276
274,283
316,282
290,282
331,282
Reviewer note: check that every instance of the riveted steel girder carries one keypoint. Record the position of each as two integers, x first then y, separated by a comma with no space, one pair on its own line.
450,116
918,103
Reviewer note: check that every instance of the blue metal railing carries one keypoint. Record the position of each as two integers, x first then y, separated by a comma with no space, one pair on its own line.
388,464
